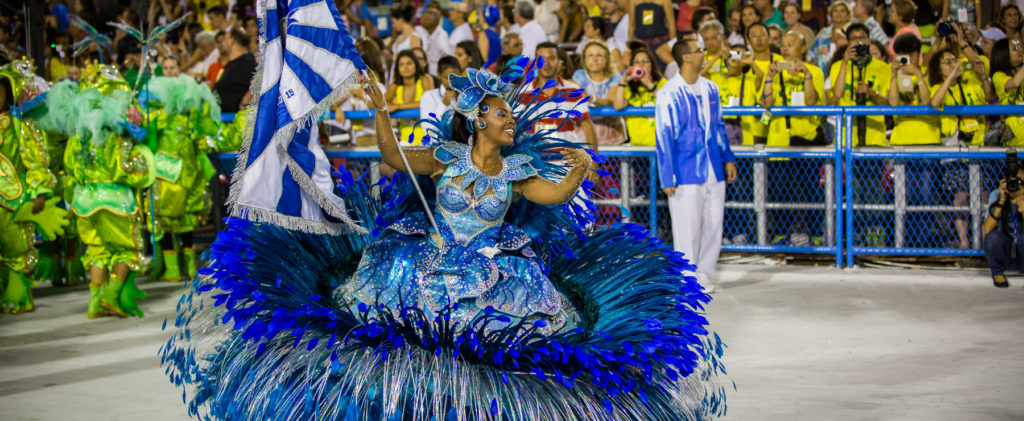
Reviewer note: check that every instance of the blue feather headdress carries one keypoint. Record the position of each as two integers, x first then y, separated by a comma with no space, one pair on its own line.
473,88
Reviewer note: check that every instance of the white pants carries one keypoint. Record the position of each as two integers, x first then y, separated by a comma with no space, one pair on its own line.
697,212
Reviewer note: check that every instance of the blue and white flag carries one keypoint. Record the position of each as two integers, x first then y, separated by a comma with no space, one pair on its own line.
307,61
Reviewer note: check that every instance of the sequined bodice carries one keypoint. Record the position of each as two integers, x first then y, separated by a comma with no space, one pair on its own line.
469,202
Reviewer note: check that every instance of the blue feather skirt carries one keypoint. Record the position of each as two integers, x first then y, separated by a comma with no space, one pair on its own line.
267,331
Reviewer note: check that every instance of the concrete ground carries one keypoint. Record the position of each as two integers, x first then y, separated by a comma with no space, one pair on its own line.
804,344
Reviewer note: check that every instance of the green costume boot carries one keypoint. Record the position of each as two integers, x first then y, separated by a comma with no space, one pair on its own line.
129,297
190,262
17,295
110,298
96,311
172,269
74,272
48,266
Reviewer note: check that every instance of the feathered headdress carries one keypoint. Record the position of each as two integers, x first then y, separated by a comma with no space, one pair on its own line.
473,88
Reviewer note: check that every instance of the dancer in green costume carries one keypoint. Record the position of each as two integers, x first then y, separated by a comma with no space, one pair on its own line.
182,115
106,169
26,185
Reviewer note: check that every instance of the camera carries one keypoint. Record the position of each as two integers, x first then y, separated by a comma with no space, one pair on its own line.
903,60
735,55
945,28
637,72
862,50
786,65
1013,183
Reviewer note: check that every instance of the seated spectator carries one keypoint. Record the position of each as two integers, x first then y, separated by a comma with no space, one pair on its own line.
791,15
206,53
421,58
857,74
511,44
793,82
864,12
530,32
1010,21
251,27
439,100
437,44
462,31
403,32
599,78
638,88
571,15
362,134
573,129
218,18
405,92
715,66
742,88
596,28
1008,79
468,55
169,66
908,86
769,13
825,44
1003,245
749,16
901,15
702,15
232,86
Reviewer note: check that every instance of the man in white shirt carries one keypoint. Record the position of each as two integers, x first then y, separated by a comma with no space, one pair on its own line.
619,20
439,100
436,41
462,32
864,12
545,13
530,31
694,159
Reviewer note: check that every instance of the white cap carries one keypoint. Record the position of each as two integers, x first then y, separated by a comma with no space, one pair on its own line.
994,34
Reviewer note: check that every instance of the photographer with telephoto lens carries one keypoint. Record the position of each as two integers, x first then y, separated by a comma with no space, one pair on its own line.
1003,246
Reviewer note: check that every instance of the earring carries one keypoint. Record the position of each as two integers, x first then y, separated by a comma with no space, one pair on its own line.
482,124
469,141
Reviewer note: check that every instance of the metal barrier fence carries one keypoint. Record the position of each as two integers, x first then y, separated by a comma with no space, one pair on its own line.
896,201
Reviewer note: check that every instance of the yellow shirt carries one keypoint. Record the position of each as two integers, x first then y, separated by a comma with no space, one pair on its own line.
914,129
406,126
974,94
641,129
800,126
740,91
876,74
1015,122
718,70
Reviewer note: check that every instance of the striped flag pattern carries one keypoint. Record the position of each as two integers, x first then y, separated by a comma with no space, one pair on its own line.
307,60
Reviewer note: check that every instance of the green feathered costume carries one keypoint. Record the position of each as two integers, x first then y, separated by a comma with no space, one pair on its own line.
105,170
26,189
182,115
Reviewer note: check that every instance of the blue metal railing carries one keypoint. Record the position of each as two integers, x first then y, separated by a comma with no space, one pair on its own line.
843,160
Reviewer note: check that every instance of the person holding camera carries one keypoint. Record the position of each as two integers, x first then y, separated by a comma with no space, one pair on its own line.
860,80
1008,80
1003,247
637,88
950,87
742,79
908,86
792,82
760,43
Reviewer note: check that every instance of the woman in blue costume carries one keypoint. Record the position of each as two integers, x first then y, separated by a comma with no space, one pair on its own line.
496,305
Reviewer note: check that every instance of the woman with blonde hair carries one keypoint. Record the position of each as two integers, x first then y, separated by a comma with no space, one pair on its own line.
599,78
839,15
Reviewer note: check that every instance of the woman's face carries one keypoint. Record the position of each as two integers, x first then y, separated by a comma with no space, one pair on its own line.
948,63
170,68
251,28
499,124
406,67
791,15
749,16
595,58
642,61
589,31
1011,17
421,57
734,20
877,53
840,16
397,24
462,57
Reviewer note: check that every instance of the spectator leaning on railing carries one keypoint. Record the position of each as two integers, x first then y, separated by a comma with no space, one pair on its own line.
741,88
949,87
637,88
757,39
715,67
908,86
860,80
599,78
1008,80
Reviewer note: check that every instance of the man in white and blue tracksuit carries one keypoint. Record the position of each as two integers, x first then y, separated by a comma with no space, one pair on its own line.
694,159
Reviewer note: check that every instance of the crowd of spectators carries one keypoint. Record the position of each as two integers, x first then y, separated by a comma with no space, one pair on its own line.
759,53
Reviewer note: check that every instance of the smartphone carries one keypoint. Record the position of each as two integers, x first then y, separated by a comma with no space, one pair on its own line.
786,65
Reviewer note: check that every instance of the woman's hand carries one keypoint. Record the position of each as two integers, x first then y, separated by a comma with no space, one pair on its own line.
800,67
577,157
773,69
373,94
